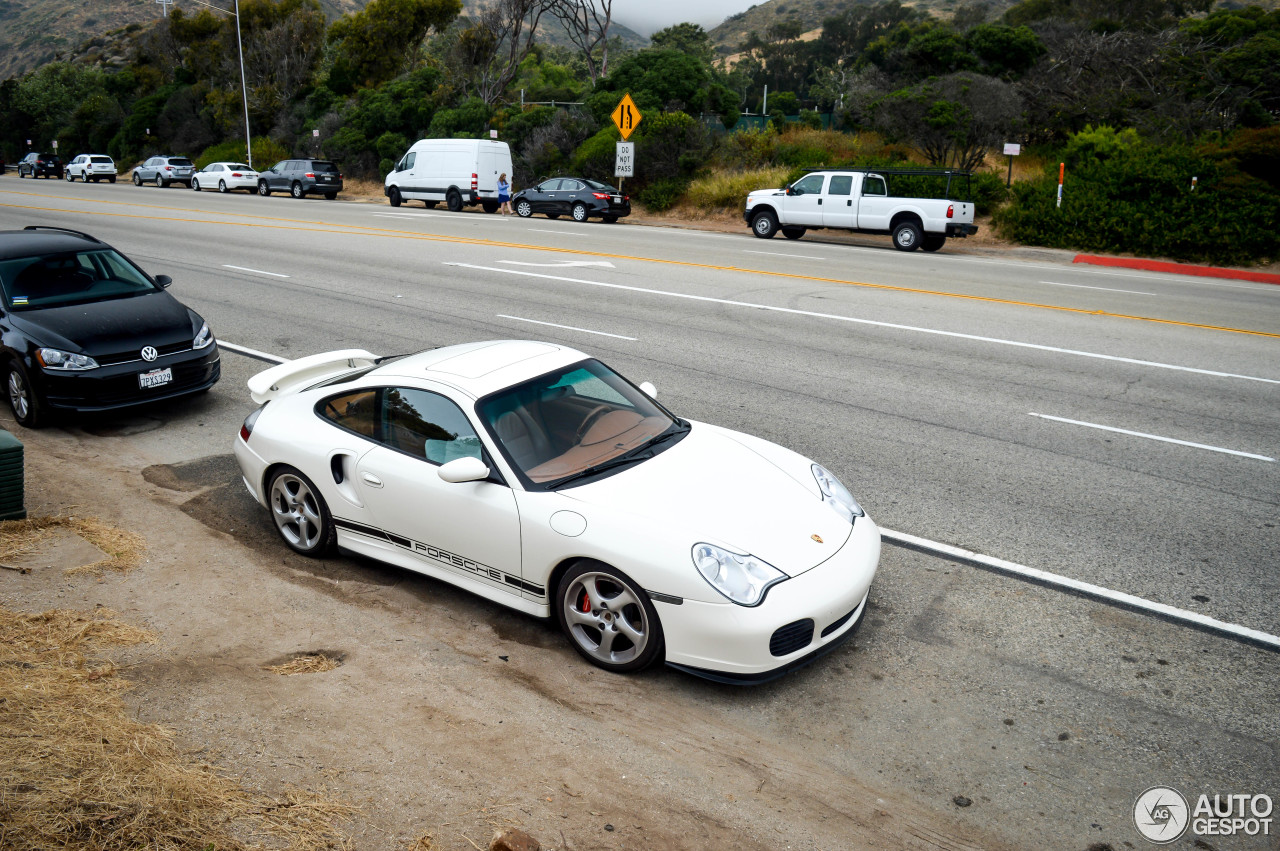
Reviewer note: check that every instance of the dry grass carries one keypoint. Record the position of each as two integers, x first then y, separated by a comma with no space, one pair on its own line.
425,842
307,663
124,549
727,190
77,772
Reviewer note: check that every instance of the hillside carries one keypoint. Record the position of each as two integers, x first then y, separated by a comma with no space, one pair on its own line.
35,32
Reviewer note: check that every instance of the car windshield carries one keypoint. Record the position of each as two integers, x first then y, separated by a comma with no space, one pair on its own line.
57,280
572,421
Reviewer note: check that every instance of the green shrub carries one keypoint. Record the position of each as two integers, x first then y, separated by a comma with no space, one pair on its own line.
661,195
595,157
1140,201
266,152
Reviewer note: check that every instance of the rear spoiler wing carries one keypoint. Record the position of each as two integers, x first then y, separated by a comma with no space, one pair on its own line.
294,375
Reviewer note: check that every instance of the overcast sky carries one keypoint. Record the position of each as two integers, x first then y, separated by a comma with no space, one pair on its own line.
648,16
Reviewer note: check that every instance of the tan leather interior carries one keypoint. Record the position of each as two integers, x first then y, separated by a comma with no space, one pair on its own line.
612,434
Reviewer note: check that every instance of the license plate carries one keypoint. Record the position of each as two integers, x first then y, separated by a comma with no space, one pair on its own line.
155,377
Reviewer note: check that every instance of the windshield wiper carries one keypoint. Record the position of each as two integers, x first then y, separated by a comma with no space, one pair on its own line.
620,461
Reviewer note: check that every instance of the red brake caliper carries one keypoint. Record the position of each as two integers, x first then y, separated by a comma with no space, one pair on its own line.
586,602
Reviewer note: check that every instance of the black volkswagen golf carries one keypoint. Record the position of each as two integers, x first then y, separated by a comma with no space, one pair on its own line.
82,328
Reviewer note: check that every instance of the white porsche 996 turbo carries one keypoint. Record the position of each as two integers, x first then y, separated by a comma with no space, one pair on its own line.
535,476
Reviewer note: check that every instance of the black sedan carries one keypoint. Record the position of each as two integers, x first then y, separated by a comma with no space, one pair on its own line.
82,328
572,196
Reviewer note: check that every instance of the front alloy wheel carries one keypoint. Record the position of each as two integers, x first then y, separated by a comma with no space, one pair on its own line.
300,513
195,184
22,398
263,189
608,618
222,187
137,181
524,209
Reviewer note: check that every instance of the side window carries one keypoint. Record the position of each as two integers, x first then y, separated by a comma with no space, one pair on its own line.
841,184
353,411
551,185
571,185
426,425
874,185
407,162
811,185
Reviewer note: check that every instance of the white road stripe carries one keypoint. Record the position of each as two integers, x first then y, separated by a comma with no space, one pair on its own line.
560,232
255,271
410,215
1154,437
253,353
894,325
780,254
1083,287
561,264
1086,589
566,327
1008,568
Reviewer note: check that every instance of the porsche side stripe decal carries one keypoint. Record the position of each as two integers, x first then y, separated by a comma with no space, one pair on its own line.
441,556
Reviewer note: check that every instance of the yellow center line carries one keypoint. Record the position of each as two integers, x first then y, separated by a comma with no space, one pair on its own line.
283,223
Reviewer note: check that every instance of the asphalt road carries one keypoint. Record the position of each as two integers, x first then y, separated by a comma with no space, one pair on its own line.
962,397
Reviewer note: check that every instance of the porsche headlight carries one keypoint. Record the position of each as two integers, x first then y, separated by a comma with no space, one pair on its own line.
204,338
744,579
69,361
837,495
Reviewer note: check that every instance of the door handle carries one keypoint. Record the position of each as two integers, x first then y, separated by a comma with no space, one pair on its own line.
848,203
371,480
819,202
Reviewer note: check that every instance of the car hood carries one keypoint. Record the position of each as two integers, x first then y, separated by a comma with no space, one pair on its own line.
761,193
107,327
713,488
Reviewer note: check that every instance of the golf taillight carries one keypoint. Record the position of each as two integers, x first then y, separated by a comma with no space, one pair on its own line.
236,174
951,211
247,428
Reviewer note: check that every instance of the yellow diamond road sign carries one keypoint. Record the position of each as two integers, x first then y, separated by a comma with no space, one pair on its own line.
626,116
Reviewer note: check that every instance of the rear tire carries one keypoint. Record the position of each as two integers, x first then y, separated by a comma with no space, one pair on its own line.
765,225
296,190
933,243
491,206
329,196
608,618
792,232
111,179
579,212
162,183
300,513
906,236
453,201
393,197
609,219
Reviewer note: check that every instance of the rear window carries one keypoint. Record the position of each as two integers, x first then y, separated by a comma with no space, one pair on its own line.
180,161
326,167
99,159
600,187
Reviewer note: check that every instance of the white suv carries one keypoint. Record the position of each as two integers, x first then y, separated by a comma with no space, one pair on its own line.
93,167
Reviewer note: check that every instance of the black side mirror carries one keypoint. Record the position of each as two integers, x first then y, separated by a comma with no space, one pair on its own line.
792,191
164,281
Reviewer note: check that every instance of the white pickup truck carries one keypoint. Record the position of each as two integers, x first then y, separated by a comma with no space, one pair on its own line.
860,200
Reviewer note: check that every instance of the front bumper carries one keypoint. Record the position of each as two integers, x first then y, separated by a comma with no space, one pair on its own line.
961,231
800,620
116,385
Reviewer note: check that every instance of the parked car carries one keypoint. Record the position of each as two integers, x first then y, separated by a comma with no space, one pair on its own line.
40,165
301,178
864,201
459,172
535,476
572,196
165,170
226,176
93,167
83,328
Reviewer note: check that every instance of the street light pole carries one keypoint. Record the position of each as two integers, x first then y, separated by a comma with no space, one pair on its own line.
244,91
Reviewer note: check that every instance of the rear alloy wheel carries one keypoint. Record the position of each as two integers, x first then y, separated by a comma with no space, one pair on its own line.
296,190
263,189
300,513
906,236
222,187
393,195
162,183
453,201
137,181
765,225
27,409
608,618
933,243
524,209
793,232
579,212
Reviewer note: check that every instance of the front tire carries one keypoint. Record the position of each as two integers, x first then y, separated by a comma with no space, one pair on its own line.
27,409
491,206
393,196
793,232
524,209
453,201
906,236
579,212
765,225
263,189
300,513
137,181
195,185
71,178
296,190
222,187
608,618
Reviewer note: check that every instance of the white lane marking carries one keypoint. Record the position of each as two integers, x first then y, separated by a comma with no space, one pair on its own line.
780,254
253,353
1083,287
562,264
1154,437
409,216
1087,589
560,232
894,325
1051,580
254,271
566,327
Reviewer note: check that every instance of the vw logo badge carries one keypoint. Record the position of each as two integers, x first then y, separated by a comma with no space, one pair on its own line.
149,353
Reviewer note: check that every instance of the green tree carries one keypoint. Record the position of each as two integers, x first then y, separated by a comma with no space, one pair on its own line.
377,43
686,38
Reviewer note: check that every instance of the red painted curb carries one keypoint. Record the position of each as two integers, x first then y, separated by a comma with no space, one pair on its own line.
1178,268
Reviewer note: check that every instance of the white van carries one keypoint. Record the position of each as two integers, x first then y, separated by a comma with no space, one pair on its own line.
456,171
